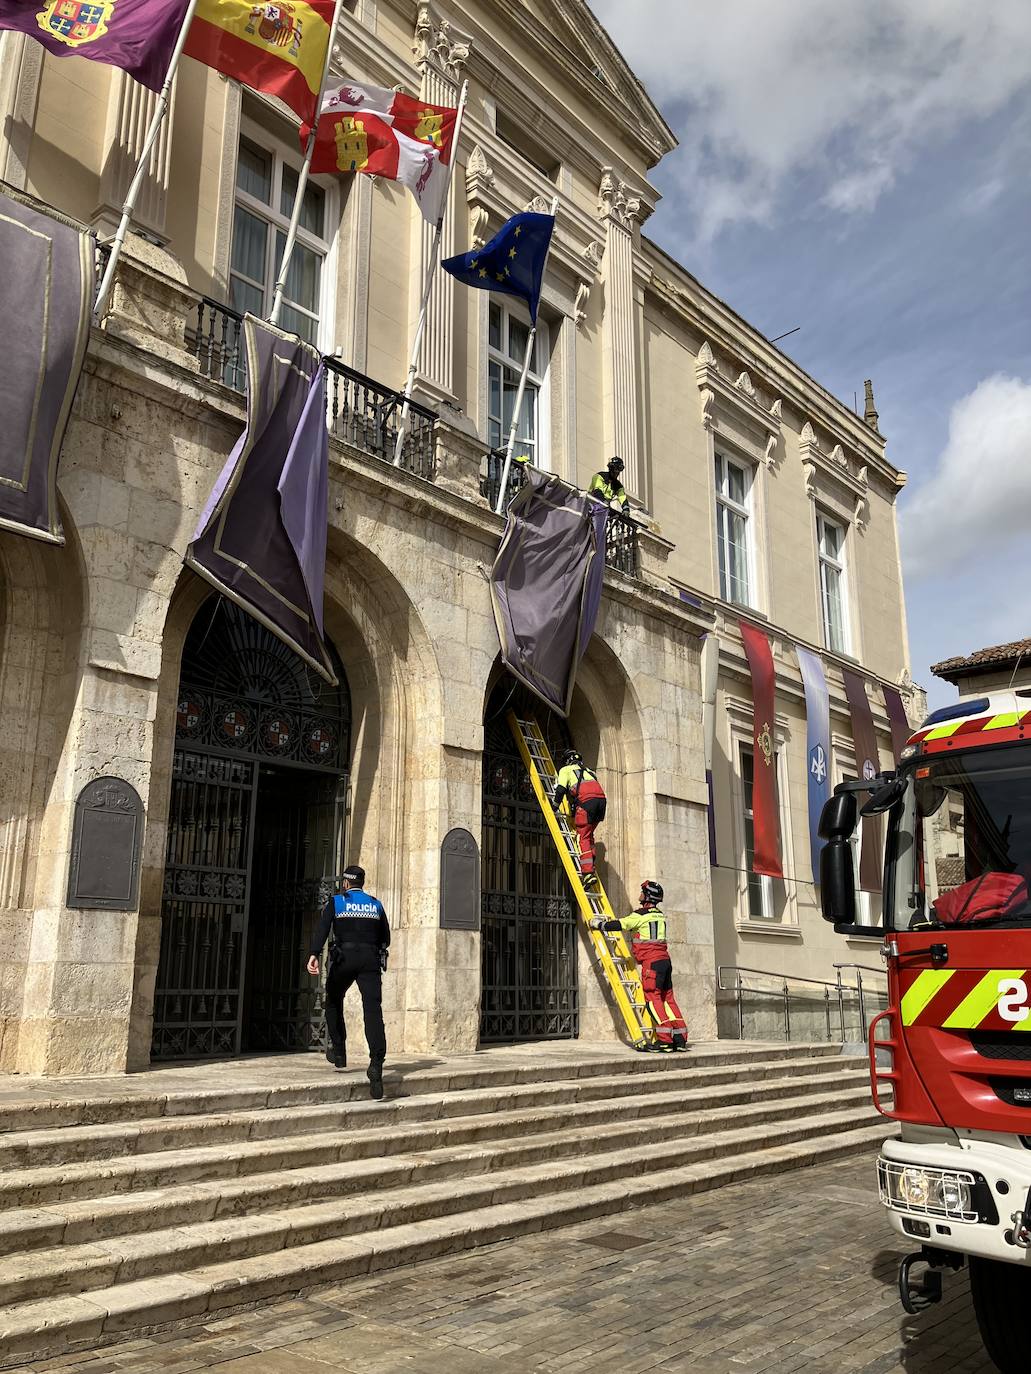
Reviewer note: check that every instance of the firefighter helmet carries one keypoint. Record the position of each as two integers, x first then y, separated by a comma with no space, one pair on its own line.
571,756
651,892
616,464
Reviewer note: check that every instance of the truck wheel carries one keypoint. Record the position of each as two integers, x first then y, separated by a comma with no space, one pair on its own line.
1000,1291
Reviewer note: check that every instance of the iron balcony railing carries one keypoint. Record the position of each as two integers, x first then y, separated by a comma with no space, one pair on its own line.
361,412
840,1010
621,547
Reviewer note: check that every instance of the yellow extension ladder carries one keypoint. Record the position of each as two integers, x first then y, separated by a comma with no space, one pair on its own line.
614,957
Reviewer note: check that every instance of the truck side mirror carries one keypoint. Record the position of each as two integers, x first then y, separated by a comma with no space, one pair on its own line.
886,796
837,871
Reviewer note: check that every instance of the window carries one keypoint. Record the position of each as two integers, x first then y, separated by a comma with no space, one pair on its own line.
506,348
831,543
733,509
538,155
765,897
266,184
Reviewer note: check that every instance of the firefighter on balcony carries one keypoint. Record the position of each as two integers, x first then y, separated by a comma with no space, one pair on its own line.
586,806
646,928
358,954
607,486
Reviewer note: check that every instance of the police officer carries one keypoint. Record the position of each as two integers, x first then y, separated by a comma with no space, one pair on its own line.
607,486
358,954
647,928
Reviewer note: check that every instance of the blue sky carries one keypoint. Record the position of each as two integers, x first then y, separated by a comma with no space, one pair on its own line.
864,171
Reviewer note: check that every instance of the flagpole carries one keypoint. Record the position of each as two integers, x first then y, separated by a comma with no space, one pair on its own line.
413,366
164,96
527,356
302,180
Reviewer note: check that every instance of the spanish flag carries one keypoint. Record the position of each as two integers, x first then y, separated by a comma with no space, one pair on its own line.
279,48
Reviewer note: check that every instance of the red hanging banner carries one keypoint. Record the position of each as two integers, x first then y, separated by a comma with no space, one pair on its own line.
766,857
868,764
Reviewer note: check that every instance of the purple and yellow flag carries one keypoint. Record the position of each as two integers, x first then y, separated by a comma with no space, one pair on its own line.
261,539
136,35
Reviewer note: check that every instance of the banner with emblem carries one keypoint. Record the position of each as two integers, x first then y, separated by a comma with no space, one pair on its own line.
47,288
261,539
137,35
766,853
818,746
388,134
279,48
869,765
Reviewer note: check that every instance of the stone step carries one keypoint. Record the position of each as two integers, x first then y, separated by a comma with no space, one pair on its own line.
34,1188
21,1150
82,1103
657,1146
45,1327
181,1203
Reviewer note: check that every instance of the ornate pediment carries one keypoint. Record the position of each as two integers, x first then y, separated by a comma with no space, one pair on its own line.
843,469
738,404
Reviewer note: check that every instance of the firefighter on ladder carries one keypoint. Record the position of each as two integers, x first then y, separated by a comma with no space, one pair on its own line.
586,806
646,928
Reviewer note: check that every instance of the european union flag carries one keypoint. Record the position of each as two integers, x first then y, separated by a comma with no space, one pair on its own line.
512,262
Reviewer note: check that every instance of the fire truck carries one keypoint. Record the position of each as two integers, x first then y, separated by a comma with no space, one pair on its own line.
950,1058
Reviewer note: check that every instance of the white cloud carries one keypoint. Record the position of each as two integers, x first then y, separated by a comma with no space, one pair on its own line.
763,94
977,500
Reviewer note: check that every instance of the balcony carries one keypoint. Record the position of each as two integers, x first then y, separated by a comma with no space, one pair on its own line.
361,412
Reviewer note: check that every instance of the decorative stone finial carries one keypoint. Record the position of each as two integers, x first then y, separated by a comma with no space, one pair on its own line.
870,410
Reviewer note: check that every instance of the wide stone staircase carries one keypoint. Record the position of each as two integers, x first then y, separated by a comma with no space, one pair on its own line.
124,1211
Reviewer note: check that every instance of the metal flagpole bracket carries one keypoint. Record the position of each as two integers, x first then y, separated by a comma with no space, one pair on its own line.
117,243
302,180
531,339
413,366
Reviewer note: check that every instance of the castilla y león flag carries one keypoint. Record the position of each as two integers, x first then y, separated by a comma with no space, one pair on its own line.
764,761
136,35
277,48
387,134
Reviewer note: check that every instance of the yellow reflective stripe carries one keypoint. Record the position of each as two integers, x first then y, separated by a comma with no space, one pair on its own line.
980,1000
1003,721
942,731
926,987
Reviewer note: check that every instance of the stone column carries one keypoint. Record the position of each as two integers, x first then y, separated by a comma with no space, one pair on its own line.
21,67
620,211
129,112
440,54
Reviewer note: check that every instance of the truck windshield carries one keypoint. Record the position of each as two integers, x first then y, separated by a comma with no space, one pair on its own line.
973,817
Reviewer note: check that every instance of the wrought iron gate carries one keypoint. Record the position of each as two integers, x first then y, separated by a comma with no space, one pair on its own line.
528,922
255,832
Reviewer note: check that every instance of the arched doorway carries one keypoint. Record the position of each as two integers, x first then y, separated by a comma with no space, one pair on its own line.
255,838
528,918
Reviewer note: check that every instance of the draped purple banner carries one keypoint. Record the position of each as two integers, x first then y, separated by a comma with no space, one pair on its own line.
262,537
900,726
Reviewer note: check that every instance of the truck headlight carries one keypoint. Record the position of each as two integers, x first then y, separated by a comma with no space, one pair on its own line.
951,1194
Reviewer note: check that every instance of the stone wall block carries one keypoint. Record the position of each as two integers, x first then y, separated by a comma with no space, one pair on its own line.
151,305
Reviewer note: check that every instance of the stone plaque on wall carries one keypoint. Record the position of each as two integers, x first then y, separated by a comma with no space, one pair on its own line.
459,882
107,837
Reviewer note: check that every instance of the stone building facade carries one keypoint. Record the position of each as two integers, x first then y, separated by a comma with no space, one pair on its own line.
760,496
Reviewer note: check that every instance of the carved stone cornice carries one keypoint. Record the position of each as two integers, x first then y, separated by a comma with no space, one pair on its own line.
741,399
837,464
617,202
439,44
591,259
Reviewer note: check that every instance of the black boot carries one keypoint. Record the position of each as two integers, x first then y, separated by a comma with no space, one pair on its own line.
337,1056
376,1079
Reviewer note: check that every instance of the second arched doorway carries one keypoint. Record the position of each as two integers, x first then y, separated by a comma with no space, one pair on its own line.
529,985
255,841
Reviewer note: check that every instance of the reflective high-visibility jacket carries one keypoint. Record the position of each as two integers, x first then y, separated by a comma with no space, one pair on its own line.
608,489
647,932
579,783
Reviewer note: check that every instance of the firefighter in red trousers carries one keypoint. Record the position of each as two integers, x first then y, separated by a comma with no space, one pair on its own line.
586,804
646,928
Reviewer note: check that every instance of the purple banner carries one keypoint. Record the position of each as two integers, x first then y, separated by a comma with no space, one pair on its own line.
546,585
262,537
47,287
900,726
136,35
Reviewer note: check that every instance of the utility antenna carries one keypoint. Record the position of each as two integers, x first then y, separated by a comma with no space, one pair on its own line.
790,331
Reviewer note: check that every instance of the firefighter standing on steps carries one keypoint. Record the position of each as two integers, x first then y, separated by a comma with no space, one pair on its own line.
586,805
646,928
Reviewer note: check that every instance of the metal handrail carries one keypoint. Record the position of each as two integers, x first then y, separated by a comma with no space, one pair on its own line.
785,980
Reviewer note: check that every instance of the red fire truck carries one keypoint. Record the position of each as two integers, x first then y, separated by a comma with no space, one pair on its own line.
950,1058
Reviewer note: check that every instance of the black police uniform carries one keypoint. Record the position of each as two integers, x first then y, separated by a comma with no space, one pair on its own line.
360,932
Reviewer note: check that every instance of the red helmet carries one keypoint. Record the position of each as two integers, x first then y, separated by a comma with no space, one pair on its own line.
651,893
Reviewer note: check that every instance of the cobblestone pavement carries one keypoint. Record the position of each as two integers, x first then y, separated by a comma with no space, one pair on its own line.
795,1272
